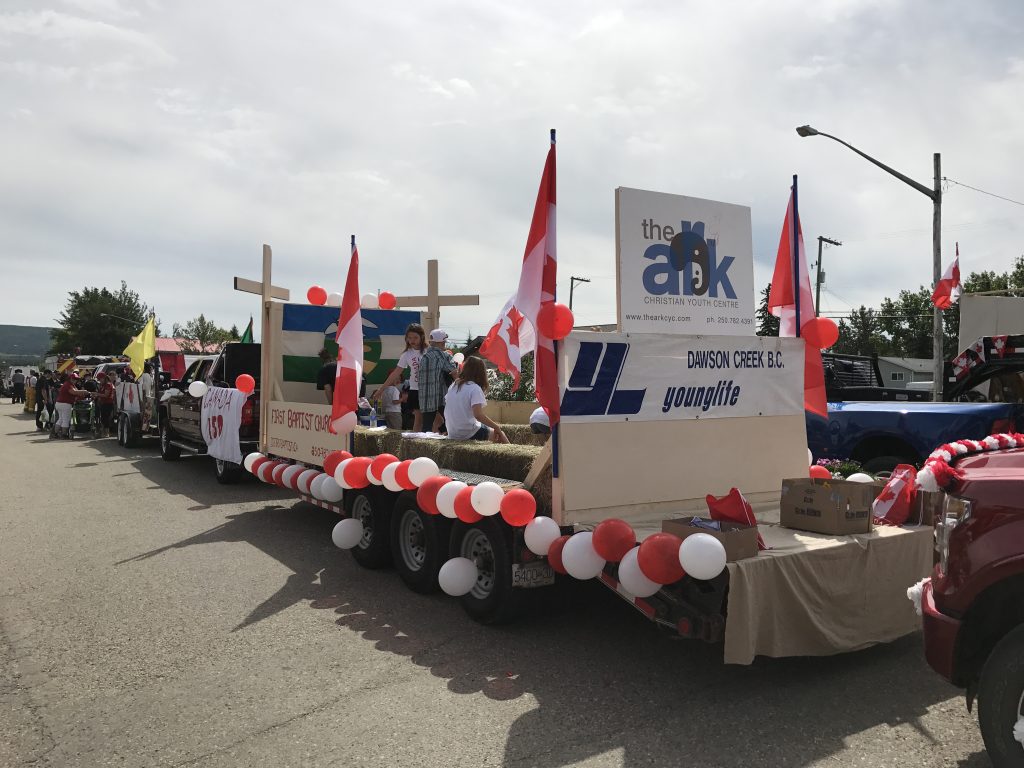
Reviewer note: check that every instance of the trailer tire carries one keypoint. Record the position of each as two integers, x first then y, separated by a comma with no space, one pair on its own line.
373,509
492,600
122,422
131,436
419,544
167,451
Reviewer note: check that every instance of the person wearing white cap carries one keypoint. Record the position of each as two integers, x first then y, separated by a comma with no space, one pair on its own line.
434,364
540,424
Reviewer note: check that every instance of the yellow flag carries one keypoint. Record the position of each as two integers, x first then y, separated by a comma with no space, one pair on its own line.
141,348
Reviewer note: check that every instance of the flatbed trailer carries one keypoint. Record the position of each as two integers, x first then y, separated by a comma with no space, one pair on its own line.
633,445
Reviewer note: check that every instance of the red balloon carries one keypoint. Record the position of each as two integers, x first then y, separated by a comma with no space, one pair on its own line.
613,539
464,506
378,464
426,496
386,300
266,470
257,464
278,471
555,555
555,320
355,472
402,475
518,507
245,383
820,472
658,558
333,459
821,332
317,295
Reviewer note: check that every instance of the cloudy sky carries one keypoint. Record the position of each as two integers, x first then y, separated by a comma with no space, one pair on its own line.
162,142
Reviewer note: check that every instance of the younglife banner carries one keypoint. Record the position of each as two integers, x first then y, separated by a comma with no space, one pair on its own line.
655,377
306,329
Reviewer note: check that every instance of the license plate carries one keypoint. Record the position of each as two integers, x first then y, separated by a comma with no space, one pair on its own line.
528,575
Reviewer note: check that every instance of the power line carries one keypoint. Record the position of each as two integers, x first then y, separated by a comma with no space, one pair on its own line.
982,191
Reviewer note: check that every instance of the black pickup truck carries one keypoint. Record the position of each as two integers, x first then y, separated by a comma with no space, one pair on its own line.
180,428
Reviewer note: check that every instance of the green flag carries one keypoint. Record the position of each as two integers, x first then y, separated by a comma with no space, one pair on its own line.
247,336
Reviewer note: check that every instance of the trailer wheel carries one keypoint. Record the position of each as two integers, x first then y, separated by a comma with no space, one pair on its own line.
122,420
167,451
373,511
492,600
131,437
419,544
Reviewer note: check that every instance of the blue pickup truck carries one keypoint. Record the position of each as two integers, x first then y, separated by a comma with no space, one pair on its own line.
882,427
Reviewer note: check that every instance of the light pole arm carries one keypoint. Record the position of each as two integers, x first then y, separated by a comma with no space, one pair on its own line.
905,179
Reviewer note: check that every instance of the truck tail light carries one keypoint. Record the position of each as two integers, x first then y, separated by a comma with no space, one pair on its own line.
1001,426
249,412
954,512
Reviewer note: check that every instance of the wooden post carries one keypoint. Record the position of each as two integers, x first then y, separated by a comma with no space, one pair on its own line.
433,301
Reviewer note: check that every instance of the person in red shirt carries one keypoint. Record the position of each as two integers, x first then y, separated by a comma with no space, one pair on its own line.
66,397
105,401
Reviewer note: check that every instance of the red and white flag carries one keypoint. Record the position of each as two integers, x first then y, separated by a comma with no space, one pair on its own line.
947,291
515,332
349,372
791,301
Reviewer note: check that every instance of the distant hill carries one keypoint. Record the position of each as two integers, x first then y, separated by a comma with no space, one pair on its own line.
24,340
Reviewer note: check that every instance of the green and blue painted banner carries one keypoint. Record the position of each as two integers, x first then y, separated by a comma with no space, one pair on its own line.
306,329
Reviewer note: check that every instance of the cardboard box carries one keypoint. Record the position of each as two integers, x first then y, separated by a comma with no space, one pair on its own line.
740,541
836,507
927,508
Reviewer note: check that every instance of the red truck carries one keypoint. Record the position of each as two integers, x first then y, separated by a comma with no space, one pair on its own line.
973,606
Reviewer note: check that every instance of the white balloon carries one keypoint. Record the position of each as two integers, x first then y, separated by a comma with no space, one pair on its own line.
369,476
810,457
334,299
304,479
457,576
632,578
446,497
289,476
579,557
330,490
702,556
421,470
347,533
339,474
370,301
314,487
487,498
248,460
861,477
346,423
387,477
539,535
458,358
197,388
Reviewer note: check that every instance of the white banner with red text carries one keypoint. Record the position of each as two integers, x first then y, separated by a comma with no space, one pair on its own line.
220,420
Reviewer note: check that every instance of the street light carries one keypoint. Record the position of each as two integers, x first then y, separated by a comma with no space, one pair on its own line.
935,194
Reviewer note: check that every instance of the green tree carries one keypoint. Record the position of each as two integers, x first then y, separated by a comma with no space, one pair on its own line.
98,321
234,334
500,384
767,323
860,334
907,323
199,334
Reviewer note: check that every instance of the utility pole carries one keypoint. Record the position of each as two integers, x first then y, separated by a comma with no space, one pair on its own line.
572,286
817,279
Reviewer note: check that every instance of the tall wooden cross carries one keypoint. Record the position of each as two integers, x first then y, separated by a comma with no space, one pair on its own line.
433,301
266,291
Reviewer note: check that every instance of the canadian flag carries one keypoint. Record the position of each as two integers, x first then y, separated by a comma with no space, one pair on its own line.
947,290
892,505
349,372
791,301
515,332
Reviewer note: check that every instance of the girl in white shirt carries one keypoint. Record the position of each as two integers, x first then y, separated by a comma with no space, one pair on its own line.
415,343
464,406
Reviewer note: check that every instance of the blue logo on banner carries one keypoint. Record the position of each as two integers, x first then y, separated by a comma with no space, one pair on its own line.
592,383
688,266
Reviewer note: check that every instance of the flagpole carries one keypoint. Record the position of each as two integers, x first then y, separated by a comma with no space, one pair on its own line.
795,235
352,434
556,482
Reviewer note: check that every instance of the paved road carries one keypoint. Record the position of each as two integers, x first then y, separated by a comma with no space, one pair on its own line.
151,617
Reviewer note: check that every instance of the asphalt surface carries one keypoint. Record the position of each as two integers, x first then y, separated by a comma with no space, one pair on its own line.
151,617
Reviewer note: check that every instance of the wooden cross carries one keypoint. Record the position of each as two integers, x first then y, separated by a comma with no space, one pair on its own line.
266,291
433,301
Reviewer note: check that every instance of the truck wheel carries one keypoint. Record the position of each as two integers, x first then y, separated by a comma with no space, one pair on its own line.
227,472
1001,701
419,544
131,437
167,451
492,599
885,463
122,422
373,511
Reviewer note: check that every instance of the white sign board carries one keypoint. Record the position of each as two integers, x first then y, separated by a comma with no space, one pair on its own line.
645,377
684,265
989,316
301,431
